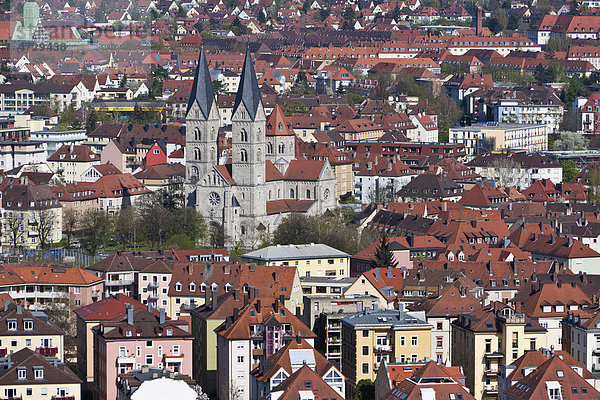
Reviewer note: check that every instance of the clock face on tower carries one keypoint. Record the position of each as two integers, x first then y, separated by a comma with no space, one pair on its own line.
214,199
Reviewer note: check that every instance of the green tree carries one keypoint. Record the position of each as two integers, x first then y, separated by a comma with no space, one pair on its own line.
364,390
96,230
189,223
383,256
128,226
569,170
91,121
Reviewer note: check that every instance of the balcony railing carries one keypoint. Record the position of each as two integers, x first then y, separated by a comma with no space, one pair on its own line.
174,359
257,334
383,347
48,351
153,285
153,296
491,389
495,354
126,359
119,282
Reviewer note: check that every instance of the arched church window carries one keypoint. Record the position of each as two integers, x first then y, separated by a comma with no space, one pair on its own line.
280,127
269,148
243,155
291,193
269,195
308,194
194,171
197,134
243,135
259,155
197,154
281,148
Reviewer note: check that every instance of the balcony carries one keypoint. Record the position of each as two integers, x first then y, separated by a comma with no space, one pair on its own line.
153,285
491,372
495,354
490,389
383,348
515,319
48,351
153,296
334,340
257,335
119,282
126,360
178,359
596,350
258,352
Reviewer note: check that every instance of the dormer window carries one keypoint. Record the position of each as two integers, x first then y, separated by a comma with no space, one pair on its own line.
178,287
560,308
547,308
128,333
28,325
170,332
39,372
214,287
227,287
21,373
192,287
203,287
12,324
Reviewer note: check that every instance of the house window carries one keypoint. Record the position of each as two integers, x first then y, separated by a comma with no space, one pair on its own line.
12,325
365,368
39,373
402,341
148,343
176,350
365,333
22,373
414,341
28,325
365,350
240,359
149,359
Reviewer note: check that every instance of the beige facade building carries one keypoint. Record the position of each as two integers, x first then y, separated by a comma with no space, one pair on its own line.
495,335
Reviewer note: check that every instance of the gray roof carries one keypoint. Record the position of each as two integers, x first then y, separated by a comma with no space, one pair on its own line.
386,318
295,252
248,92
202,90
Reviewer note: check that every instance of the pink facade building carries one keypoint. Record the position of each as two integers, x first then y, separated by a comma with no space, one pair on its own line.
140,338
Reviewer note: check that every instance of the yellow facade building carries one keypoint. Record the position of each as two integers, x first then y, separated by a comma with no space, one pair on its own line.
495,335
310,259
373,335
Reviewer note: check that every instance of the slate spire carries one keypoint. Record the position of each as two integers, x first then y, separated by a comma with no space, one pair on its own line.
202,90
248,92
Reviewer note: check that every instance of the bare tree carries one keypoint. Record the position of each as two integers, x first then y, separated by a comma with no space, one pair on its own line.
45,220
505,171
69,224
15,225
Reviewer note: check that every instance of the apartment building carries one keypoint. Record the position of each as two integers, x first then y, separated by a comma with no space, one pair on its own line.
501,136
440,311
324,286
40,286
312,259
374,335
323,314
280,366
205,319
495,335
251,335
581,337
27,374
136,339
382,283
90,316
70,162
548,112
21,328
190,281
32,216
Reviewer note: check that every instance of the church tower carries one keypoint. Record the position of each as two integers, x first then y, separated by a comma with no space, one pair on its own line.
249,143
202,123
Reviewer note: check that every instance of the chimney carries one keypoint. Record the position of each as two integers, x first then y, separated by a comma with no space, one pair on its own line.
214,299
258,305
276,276
117,296
298,338
377,275
130,315
150,308
389,271
19,309
276,306
6,303
206,296
245,299
236,294
570,242
162,316
236,312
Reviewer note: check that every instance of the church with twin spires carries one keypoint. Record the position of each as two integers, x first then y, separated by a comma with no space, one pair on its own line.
263,179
